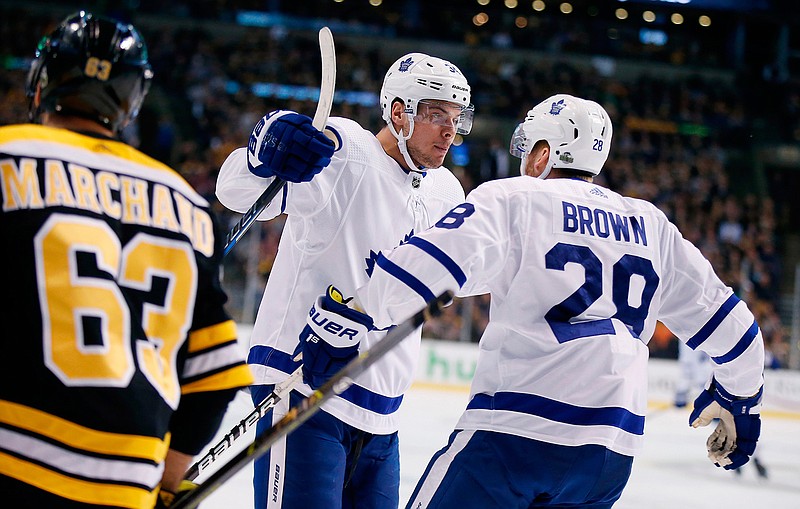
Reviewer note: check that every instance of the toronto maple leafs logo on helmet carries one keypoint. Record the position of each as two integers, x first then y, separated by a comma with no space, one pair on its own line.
556,107
406,64
578,131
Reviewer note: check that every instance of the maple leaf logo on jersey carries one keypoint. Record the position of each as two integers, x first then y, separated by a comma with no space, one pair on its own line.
556,107
405,64
407,237
373,256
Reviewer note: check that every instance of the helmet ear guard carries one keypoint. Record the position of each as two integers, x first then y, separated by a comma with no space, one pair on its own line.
91,67
578,131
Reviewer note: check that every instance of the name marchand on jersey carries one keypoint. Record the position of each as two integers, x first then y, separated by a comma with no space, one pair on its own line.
28,183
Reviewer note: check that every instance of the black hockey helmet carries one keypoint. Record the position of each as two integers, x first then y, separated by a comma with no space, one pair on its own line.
91,67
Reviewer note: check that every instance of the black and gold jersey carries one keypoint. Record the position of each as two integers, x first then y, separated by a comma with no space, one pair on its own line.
113,310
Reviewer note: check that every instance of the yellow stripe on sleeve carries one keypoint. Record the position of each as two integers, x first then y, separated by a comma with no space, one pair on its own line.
212,336
81,437
75,489
239,376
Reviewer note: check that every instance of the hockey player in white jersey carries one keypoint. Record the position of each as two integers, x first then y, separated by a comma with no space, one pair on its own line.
578,276
377,192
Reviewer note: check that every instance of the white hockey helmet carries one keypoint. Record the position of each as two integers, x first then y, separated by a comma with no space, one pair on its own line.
578,130
418,77
415,77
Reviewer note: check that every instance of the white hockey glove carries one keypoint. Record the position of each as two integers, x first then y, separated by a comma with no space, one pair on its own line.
734,440
284,144
331,337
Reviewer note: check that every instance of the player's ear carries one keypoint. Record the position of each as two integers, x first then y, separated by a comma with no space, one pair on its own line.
399,117
540,155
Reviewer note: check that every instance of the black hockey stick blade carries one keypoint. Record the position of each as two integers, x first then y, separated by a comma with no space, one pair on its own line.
309,406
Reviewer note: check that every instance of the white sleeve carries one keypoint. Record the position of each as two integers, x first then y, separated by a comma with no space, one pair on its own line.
705,313
465,249
237,188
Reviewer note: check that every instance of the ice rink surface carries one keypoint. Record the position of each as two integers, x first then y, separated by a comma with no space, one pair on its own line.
671,473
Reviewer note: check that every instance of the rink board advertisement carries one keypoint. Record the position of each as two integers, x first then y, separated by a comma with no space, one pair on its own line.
452,364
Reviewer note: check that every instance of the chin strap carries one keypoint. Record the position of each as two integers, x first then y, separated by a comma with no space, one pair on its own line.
546,171
401,143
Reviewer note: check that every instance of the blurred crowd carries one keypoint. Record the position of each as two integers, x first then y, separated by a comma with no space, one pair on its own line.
680,141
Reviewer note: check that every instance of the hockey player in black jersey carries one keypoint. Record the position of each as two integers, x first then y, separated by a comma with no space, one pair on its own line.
113,307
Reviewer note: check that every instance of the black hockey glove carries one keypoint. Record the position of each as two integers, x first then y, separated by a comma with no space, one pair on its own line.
167,498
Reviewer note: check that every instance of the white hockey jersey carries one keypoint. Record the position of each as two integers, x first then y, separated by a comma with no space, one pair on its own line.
578,277
338,224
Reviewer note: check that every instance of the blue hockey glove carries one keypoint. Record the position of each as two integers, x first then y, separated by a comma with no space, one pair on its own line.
331,337
734,441
284,144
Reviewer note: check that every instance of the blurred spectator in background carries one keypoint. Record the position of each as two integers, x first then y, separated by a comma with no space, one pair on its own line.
684,140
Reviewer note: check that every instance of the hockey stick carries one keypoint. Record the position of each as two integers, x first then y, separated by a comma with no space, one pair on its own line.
244,425
309,406
328,53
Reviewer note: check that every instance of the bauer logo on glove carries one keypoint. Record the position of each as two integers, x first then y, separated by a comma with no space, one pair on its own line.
284,144
328,325
331,337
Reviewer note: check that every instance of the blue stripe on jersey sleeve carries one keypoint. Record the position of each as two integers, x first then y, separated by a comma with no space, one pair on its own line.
355,394
713,323
410,281
559,411
740,346
442,258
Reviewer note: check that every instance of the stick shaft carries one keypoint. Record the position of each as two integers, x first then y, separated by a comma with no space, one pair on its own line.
326,90
309,406
244,425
